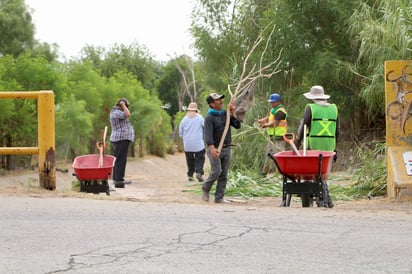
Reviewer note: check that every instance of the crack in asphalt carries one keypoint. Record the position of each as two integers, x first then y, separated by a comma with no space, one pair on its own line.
148,249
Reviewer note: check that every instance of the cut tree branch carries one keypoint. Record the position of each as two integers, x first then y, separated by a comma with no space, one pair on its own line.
248,77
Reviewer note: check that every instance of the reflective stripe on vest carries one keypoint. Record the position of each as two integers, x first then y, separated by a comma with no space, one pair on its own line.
323,127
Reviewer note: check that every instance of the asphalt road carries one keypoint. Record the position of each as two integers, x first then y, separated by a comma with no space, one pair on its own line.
71,235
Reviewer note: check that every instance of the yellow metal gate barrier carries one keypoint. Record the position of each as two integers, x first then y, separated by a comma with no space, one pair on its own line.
46,134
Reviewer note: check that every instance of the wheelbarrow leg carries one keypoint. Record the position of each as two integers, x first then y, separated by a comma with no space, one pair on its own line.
307,200
285,197
106,184
327,198
288,199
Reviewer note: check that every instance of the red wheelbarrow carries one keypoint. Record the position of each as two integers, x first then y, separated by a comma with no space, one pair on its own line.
93,177
94,170
304,175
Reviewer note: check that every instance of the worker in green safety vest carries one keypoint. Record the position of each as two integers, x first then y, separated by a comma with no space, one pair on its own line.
276,126
322,123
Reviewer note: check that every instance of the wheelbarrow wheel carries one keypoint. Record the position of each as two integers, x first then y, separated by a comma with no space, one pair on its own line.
307,200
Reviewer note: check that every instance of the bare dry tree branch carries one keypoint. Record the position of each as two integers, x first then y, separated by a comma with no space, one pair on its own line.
193,82
248,77
186,88
186,84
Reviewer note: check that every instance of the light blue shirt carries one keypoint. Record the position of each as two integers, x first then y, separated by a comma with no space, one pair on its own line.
191,131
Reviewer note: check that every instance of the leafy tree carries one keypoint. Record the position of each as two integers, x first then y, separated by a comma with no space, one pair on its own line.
316,49
35,73
45,50
25,73
168,88
160,141
220,41
132,58
74,126
178,85
16,28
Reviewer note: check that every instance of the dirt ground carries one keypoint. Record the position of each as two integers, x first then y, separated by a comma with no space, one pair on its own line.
162,180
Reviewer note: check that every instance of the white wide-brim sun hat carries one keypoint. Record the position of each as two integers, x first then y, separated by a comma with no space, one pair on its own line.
316,92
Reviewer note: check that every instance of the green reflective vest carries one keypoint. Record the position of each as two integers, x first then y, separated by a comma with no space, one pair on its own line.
282,127
322,134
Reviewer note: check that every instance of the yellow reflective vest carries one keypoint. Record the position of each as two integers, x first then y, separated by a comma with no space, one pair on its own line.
282,127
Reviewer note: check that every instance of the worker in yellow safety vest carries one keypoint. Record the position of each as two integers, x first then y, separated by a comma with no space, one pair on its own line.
276,126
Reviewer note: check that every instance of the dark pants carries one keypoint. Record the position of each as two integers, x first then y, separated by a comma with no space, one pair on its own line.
120,150
219,169
195,162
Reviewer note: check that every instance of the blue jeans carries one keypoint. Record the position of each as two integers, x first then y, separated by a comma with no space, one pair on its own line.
195,162
218,172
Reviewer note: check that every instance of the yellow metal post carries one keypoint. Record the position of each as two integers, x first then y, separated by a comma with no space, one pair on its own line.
46,137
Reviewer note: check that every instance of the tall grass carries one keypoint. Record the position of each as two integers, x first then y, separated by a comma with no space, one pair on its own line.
369,176
365,176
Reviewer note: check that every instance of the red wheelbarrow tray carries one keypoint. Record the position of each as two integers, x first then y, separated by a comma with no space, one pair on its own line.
87,168
304,167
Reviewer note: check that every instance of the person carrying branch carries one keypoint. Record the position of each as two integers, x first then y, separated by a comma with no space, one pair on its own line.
276,126
215,122
322,122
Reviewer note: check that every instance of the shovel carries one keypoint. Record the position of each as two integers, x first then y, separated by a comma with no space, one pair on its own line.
101,146
291,142
304,140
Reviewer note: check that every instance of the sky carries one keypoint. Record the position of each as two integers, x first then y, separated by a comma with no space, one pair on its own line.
162,26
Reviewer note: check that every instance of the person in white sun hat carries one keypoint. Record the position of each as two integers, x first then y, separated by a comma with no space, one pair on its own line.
322,123
191,131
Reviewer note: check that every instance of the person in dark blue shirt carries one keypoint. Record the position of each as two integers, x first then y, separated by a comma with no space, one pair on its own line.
219,160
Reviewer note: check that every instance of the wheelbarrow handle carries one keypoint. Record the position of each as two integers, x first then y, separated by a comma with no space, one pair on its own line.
100,145
291,142
287,140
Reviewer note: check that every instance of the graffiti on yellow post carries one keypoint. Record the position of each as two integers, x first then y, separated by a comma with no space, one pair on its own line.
398,102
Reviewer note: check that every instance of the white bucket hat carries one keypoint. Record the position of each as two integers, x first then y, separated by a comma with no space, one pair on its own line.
316,92
192,109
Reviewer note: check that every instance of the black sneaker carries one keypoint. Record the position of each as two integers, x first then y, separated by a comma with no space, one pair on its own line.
222,201
119,184
199,177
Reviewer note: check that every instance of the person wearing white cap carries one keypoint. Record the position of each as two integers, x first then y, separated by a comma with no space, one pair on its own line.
322,122
191,131
215,122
